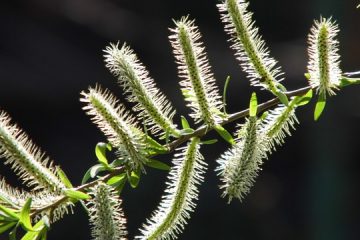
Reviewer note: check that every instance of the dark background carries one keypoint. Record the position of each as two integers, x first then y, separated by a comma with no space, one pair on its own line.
51,50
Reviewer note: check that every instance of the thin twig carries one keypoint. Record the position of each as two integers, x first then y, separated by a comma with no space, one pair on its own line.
201,131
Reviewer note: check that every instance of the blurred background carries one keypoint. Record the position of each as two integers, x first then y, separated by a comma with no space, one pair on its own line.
51,50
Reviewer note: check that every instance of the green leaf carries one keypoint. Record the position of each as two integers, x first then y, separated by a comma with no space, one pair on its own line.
154,144
116,179
157,165
31,236
320,105
94,170
100,151
64,179
9,213
253,105
6,226
187,131
283,98
224,134
77,195
209,142
264,115
281,87
25,216
40,230
226,85
117,182
184,123
134,179
305,99
86,176
307,75
345,81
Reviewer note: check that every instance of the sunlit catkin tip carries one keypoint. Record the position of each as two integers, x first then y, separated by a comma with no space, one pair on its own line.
324,60
117,124
239,166
198,83
278,124
253,55
151,104
106,216
28,161
170,218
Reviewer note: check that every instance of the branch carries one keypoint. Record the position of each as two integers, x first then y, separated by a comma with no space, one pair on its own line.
201,131
81,188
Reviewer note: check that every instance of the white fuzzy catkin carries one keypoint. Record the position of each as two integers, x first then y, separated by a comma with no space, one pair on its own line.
324,60
152,105
198,83
239,166
174,210
26,159
14,198
117,124
105,214
250,48
278,123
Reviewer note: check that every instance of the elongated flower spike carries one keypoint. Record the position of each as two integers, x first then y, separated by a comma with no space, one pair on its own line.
174,210
117,124
152,105
198,84
11,197
27,160
278,123
250,48
323,67
239,166
106,216
14,198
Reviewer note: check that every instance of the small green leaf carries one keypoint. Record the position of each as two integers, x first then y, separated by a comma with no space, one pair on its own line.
264,115
40,230
281,87
157,165
86,176
100,151
134,179
224,134
64,179
31,236
94,170
77,195
116,179
209,142
186,131
154,144
345,81
9,213
6,226
307,75
283,98
226,85
25,216
305,99
253,105
184,123
320,105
